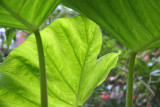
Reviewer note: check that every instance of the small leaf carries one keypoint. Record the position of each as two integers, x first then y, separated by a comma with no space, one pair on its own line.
71,47
10,34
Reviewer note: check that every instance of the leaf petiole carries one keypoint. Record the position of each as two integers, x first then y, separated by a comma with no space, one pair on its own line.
129,95
42,69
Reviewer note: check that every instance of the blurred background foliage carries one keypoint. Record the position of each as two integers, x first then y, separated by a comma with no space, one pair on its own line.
110,93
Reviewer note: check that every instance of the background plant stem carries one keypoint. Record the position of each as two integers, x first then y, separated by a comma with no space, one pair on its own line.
129,95
42,69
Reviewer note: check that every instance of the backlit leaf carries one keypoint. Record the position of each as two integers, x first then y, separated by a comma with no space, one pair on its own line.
25,14
71,47
135,23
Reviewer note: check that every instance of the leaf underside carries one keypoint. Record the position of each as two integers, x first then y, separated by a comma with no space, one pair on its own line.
135,23
71,47
25,14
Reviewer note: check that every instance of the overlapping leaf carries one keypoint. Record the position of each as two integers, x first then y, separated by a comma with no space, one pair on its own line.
135,23
25,14
71,47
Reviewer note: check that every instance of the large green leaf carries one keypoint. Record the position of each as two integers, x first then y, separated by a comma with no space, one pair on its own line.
25,14
71,46
135,23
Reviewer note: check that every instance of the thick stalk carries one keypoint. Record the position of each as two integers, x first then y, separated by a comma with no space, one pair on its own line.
129,95
42,69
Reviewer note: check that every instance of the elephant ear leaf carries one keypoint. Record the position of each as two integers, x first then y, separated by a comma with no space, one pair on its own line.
25,14
135,23
71,47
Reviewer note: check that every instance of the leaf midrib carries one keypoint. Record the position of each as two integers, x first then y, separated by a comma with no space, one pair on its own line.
82,70
64,79
20,19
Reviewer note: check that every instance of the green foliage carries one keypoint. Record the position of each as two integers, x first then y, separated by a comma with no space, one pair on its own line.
29,15
10,35
135,23
73,73
25,14
71,48
144,66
